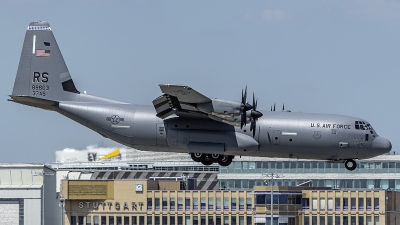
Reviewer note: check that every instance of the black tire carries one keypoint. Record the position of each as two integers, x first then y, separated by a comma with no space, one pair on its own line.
207,161
198,157
226,160
350,164
215,157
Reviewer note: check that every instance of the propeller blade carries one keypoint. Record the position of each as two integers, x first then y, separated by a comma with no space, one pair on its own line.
274,106
271,108
283,107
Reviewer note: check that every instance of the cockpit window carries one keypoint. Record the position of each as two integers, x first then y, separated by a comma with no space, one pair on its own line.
361,125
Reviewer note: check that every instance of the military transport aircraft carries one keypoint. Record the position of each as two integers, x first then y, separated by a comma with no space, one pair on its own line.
184,120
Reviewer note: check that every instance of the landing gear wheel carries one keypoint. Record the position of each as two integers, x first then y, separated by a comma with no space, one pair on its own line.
198,157
207,160
226,160
350,164
215,157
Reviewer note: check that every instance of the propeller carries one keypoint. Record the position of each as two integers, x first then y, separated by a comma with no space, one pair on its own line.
244,107
254,116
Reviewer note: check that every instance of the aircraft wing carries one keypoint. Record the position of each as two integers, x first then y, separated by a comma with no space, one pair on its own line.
179,100
184,101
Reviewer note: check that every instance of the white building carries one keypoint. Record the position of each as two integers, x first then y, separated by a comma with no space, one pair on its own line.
28,195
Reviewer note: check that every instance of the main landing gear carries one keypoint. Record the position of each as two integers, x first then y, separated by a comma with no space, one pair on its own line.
208,159
350,164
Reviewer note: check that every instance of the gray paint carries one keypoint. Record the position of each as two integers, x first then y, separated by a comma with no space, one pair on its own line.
197,118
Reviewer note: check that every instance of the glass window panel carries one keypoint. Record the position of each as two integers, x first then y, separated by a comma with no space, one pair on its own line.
180,203
187,220
195,220
157,203
111,220
226,220
119,220
330,220
360,203
96,220
104,220
195,203
218,204
172,203
149,220
226,203
241,220
88,220
233,203
210,203
203,203
306,220
187,203
141,220
376,203
337,220
322,220
80,220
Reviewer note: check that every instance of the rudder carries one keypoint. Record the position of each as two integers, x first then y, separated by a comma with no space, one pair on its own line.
42,73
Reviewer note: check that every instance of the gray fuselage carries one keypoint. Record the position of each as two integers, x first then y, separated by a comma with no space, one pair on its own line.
278,134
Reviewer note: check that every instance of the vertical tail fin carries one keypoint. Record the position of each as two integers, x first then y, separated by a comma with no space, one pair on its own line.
42,73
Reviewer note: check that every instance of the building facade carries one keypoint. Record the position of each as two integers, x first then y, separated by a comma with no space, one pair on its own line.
28,195
139,202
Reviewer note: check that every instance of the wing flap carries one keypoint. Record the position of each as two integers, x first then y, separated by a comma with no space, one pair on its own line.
184,93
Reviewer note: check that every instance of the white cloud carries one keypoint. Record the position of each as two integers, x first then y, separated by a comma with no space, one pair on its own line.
274,15
387,9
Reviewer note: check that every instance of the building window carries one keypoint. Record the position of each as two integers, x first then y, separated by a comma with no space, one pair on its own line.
241,220
157,204
314,204
187,203
218,220
164,220
248,203
226,203
226,220
95,220
149,220
111,220
345,204
330,219
195,220
337,220
149,204
195,204
353,220
360,219
369,204
241,204
172,203
211,220
249,220
218,204
233,203
73,220
180,203
88,220
353,204
126,220
80,220
187,220
180,220
345,220
306,220
171,219
141,220
305,203
203,203
134,220
203,220
119,220
330,204
321,219
103,220
233,220
210,203
360,203
322,203
164,203
376,203
314,220
157,219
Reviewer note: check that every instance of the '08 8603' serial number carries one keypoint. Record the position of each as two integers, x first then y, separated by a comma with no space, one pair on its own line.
39,90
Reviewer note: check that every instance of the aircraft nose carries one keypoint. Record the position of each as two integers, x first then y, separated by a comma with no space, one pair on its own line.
382,144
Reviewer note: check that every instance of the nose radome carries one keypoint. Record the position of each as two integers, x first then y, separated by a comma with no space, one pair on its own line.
381,143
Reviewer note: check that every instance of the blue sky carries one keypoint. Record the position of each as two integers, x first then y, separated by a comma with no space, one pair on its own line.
339,57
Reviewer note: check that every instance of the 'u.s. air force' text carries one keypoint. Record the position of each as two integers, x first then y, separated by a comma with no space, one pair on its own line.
331,125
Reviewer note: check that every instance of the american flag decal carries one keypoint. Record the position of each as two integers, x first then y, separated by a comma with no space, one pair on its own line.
42,53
